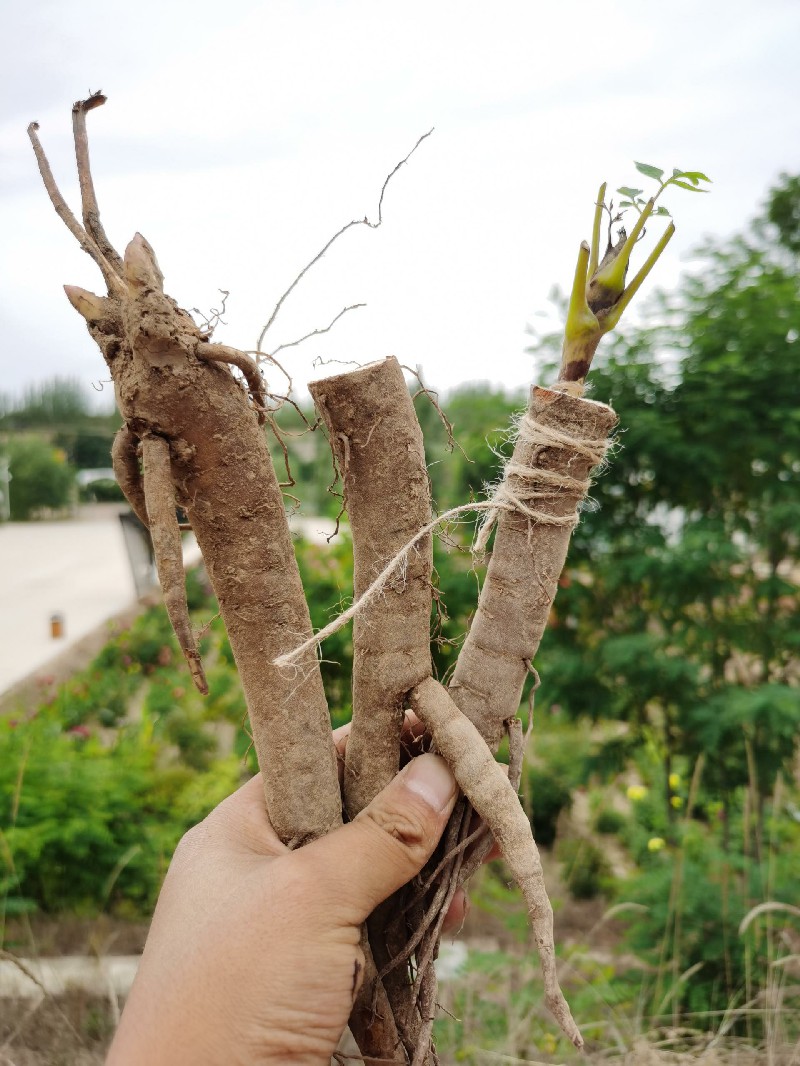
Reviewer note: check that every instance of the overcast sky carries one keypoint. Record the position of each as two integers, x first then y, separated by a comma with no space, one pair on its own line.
239,136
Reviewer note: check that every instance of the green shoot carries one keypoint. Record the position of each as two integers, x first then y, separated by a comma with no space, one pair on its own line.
614,315
599,206
599,291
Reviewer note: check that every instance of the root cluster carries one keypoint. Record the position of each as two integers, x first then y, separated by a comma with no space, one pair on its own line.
376,442
192,437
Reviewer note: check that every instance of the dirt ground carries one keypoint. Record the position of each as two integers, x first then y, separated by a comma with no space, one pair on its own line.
75,1030
70,1030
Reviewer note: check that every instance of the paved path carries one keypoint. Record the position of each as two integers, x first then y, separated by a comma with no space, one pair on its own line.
29,978
78,569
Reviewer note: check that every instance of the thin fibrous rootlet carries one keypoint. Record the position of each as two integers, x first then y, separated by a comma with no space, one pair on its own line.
193,436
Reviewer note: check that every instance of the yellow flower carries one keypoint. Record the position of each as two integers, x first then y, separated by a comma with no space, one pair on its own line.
655,843
636,792
676,802
674,781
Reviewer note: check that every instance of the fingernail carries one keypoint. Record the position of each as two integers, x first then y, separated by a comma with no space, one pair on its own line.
430,777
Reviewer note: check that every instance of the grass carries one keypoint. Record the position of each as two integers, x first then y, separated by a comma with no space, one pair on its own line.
493,1012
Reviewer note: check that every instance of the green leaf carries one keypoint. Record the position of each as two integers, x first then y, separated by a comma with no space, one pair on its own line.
631,194
661,210
625,203
686,185
649,171
696,176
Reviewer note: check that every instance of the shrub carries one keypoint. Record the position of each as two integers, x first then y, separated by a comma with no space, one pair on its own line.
196,746
41,478
199,594
692,899
586,871
105,490
66,807
225,698
83,825
150,640
610,821
549,796
327,573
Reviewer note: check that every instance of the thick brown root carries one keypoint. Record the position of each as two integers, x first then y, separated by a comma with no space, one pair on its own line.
561,439
223,476
486,786
379,451
159,495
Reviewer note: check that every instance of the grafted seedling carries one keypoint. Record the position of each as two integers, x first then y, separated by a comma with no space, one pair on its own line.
599,294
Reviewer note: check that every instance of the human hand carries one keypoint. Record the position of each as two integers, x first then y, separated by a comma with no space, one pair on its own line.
253,955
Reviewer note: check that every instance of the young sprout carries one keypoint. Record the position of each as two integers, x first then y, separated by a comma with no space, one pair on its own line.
599,293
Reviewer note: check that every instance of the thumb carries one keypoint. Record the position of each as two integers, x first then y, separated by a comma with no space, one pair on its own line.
364,862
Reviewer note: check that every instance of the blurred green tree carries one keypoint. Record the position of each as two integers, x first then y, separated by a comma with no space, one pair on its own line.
41,477
60,401
480,415
61,410
678,613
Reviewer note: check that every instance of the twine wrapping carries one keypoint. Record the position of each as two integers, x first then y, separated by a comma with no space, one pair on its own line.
519,486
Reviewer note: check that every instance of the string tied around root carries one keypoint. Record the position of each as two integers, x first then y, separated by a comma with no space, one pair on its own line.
290,658
519,486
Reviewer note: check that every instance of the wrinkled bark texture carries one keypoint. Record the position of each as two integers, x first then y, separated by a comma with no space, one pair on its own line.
526,563
379,451
223,475
378,445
